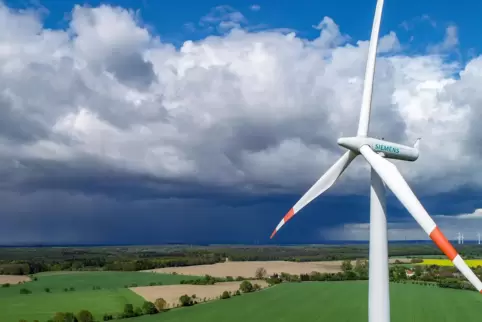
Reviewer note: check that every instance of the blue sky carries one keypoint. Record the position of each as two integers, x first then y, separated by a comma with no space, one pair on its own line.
69,193
170,17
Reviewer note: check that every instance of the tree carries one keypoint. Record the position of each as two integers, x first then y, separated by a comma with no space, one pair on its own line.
64,317
160,304
246,287
107,317
225,295
128,311
85,316
149,308
260,273
185,300
346,266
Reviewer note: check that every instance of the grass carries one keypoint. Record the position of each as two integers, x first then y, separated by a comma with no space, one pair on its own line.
44,306
446,262
332,301
110,298
85,281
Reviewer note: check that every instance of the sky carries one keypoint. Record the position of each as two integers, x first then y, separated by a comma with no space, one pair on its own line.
204,122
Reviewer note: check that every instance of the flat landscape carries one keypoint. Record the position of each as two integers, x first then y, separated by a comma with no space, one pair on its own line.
73,291
171,293
43,306
332,301
323,286
248,268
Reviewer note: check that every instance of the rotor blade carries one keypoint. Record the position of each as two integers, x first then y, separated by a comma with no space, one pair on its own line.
370,73
325,182
397,184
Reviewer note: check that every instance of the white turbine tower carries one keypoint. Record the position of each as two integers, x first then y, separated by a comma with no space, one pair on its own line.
383,173
478,236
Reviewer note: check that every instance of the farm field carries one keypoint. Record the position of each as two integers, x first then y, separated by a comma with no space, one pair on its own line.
43,306
332,301
110,298
85,281
248,268
447,262
13,279
171,293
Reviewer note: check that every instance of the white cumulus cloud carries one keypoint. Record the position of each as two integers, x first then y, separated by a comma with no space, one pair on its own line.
259,111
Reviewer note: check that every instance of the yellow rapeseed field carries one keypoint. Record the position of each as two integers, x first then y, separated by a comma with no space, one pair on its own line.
446,262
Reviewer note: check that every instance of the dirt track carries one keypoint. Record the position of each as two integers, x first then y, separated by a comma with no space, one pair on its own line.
171,293
13,279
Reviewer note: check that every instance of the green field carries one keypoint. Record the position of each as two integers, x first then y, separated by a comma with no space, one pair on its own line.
87,280
332,301
43,305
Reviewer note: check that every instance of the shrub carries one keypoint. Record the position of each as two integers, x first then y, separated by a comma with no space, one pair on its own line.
260,273
137,311
185,300
107,317
85,316
64,317
47,290
160,304
225,295
128,311
149,308
246,287
6,285
25,291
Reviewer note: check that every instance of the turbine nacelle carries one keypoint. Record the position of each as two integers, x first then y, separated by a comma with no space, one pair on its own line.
389,150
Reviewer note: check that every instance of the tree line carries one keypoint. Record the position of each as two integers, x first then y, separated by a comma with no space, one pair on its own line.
24,261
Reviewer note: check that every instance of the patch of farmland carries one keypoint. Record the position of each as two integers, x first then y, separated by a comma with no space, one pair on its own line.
248,269
87,281
43,306
332,301
13,279
171,293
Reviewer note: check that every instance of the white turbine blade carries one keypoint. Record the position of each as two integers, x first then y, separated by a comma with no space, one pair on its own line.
325,182
397,184
370,73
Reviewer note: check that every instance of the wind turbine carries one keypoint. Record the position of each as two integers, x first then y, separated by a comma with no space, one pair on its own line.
478,236
383,173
